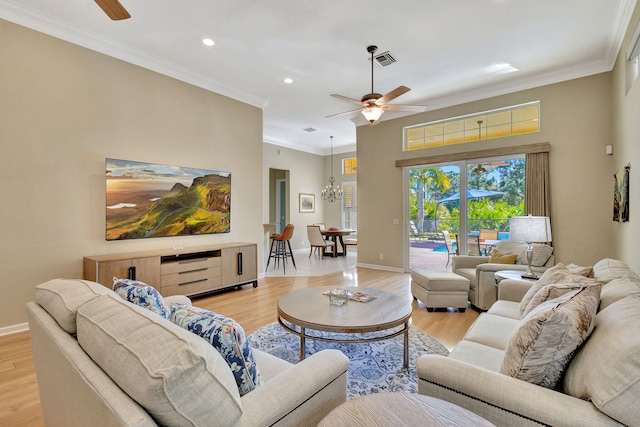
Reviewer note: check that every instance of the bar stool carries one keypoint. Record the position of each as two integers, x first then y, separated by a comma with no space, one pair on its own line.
281,243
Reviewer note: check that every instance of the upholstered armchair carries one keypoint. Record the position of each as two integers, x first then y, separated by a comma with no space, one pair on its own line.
480,272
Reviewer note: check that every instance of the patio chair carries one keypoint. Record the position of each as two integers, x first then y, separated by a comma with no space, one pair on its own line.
450,249
415,234
487,235
473,245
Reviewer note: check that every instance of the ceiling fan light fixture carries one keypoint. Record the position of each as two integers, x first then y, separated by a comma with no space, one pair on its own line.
372,114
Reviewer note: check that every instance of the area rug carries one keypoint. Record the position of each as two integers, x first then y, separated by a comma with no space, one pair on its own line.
374,366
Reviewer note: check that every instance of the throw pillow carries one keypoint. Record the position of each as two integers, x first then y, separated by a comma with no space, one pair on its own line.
226,336
606,369
542,346
554,275
141,294
578,269
550,292
498,257
177,377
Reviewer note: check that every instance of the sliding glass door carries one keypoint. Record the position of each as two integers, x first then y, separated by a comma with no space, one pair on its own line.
451,205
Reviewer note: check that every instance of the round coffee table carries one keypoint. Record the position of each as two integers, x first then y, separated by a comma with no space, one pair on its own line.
400,409
310,309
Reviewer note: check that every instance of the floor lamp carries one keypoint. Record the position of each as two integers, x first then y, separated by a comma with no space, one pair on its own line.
530,229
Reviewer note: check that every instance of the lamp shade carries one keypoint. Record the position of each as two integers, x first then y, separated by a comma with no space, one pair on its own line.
530,229
372,113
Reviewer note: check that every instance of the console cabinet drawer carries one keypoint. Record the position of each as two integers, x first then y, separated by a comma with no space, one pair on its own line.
198,283
189,265
186,277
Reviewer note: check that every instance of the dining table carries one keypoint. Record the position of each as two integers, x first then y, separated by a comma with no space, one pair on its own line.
488,245
336,234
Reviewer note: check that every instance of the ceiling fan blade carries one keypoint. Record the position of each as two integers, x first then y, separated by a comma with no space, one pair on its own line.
335,95
346,112
113,9
413,108
400,90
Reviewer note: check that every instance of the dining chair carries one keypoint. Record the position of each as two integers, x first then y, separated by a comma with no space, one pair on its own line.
351,240
321,225
317,240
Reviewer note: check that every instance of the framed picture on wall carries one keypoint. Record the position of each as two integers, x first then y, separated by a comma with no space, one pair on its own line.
307,202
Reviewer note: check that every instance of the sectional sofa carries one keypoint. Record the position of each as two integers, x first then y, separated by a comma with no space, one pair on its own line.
101,360
594,384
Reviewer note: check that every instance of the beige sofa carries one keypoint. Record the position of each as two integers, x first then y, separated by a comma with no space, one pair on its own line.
604,372
482,282
172,373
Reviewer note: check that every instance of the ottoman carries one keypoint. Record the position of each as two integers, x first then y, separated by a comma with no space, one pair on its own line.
440,289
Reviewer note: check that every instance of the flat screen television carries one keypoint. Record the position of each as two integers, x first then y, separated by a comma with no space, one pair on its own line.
153,200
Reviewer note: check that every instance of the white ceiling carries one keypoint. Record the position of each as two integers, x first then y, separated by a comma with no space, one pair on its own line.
446,51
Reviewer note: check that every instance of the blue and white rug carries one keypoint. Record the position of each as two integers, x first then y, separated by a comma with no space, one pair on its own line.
374,366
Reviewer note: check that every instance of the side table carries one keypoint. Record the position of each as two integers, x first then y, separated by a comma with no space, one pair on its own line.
400,409
511,275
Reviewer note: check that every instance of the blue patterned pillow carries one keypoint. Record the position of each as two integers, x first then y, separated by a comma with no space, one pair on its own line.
141,294
226,336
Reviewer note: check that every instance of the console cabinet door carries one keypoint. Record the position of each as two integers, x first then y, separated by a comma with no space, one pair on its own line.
239,265
147,270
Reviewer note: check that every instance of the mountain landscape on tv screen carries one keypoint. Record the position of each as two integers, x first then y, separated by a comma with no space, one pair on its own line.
147,200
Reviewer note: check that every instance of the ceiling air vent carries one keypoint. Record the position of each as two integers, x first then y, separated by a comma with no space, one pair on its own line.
309,130
383,59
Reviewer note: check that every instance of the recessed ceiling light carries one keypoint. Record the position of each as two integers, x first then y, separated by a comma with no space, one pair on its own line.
288,80
208,42
500,68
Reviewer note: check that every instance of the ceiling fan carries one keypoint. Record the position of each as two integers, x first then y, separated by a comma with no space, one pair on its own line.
113,9
373,105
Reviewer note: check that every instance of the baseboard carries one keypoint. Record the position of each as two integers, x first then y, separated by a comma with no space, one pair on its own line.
381,267
14,329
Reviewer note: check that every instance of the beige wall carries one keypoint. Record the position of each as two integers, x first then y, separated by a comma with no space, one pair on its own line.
63,110
626,148
576,119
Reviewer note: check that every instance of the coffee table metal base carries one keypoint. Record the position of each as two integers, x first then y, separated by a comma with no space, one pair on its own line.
302,333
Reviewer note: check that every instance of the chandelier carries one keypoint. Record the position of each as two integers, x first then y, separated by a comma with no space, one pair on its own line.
331,192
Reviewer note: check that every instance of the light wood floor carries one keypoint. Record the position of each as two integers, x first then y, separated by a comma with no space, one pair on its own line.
251,307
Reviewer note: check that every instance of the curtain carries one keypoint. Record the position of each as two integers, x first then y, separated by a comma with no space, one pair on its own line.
537,194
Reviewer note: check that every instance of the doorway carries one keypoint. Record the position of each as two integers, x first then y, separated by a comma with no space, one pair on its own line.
462,199
279,198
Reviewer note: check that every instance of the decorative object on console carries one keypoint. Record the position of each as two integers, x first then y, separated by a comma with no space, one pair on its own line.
152,200
331,192
621,195
530,229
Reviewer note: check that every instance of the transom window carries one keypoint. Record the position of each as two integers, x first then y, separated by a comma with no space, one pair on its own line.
349,166
514,120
